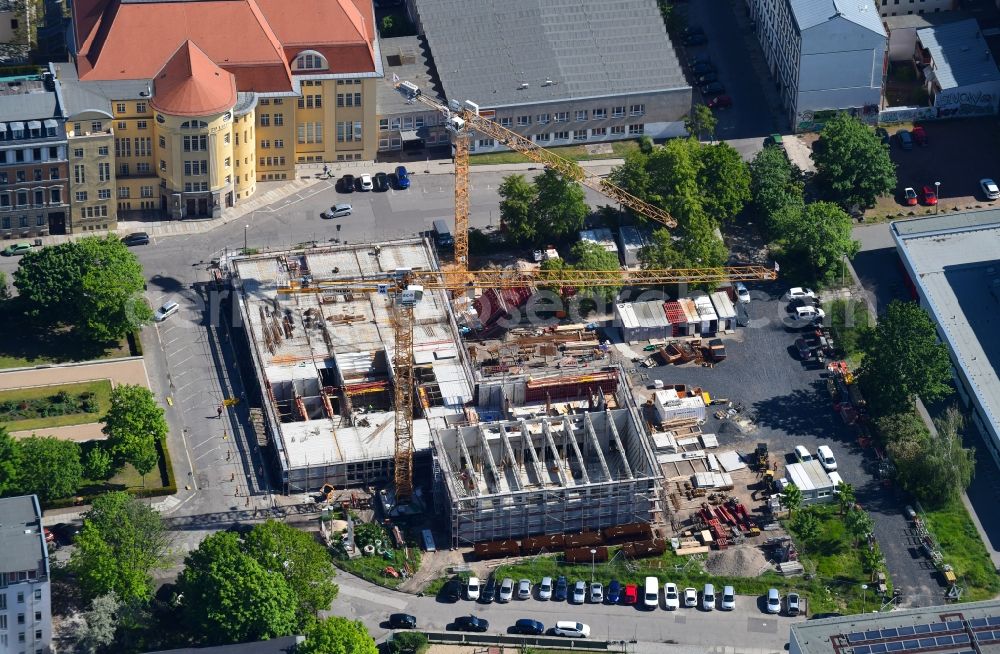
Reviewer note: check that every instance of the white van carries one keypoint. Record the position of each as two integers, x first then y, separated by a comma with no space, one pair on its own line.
836,479
651,595
802,454
826,458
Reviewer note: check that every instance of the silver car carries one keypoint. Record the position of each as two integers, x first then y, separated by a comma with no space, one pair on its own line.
579,594
506,590
337,211
545,589
167,310
524,589
596,593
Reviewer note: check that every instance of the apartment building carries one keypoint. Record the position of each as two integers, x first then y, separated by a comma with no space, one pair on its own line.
223,94
889,8
824,55
25,602
559,73
33,167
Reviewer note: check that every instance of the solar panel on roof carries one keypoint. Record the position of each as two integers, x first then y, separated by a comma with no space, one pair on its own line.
879,649
889,633
895,646
911,644
905,631
944,640
872,635
961,639
922,629
978,622
928,642
855,637
863,649
993,620
938,627
954,624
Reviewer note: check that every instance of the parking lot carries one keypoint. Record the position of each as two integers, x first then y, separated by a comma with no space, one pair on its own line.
792,407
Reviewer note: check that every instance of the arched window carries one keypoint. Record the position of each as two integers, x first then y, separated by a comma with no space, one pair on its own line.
310,60
194,124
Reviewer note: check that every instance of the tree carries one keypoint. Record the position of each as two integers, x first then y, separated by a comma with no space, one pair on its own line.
902,358
936,469
791,498
98,464
871,558
806,525
95,629
4,288
700,246
846,497
560,205
516,209
660,252
303,562
388,23
724,179
122,541
852,163
50,468
591,256
633,176
901,427
774,185
822,234
859,524
134,424
700,122
49,279
336,635
229,597
10,463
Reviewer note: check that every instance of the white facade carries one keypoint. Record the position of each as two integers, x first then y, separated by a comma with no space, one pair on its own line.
25,600
907,7
824,54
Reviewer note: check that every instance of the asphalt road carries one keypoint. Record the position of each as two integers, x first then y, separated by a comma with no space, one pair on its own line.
746,629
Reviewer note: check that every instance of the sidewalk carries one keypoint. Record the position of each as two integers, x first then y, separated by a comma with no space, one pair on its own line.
90,431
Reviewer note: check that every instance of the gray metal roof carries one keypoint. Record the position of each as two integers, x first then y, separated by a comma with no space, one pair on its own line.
562,49
960,54
21,539
27,99
810,13
909,21
80,96
407,57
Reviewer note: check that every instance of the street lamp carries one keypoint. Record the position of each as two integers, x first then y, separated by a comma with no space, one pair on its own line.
937,196
593,553
245,228
864,597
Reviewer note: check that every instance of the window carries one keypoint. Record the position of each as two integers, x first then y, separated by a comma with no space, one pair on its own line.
310,61
618,112
264,102
146,191
637,109
21,176
37,176
123,170
348,132
279,101
39,196
265,144
561,136
523,121
141,124
487,143
104,171
505,122
617,129
55,196
163,166
407,122
53,173
77,128
3,618
123,147
140,108
121,108
104,194
79,174
541,138
195,143
562,116
78,152
636,130
225,139
20,618
279,143
123,192
313,132
279,120
102,151
196,167
81,196
581,114
383,124
122,125
39,222
6,225
22,221
265,120
395,123
348,99
229,162
163,141
580,135
543,119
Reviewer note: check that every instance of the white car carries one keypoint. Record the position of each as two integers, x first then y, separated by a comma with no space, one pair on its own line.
366,183
990,188
742,294
728,599
826,458
571,629
506,590
798,292
809,313
708,598
690,598
579,594
337,211
524,589
545,589
773,601
802,454
670,596
472,588
167,310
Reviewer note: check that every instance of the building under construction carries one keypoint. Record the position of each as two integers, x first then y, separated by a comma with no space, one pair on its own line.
566,454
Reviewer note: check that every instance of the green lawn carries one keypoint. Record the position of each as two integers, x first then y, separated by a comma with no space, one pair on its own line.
370,567
964,550
574,152
99,389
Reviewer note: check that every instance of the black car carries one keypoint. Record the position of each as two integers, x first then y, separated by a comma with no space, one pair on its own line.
380,182
471,623
804,349
882,134
346,184
695,39
702,67
706,78
452,590
136,238
65,533
692,30
402,621
489,591
713,88
561,590
529,627
697,59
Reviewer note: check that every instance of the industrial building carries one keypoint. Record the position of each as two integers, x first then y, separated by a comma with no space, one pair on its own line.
952,629
954,269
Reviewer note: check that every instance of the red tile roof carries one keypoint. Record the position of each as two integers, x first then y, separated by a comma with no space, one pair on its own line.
190,84
255,40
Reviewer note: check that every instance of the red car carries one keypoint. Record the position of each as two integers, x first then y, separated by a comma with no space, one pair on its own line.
919,135
909,196
720,102
930,197
631,594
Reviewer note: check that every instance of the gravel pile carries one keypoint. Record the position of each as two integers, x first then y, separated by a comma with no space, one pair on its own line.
744,561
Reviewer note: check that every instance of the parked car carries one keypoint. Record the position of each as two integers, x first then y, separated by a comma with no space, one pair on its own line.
728,599
708,598
529,627
472,589
471,623
692,30
651,593
489,591
402,177
702,67
792,604
720,102
524,589
695,59
579,595
882,134
65,532
402,621
930,196
990,188
690,598
802,454
338,211
596,593
168,309
365,182
346,184
773,601
714,88
695,39
919,135
562,589
136,238
798,291
742,294
506,590
909,196
905,139
809,313
545,589
452,590
706,78
671,599
380,182
614,594
804,349
571,629
804,301
826,458
16,249
631,594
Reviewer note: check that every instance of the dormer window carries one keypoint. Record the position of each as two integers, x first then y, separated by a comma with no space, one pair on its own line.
310,61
